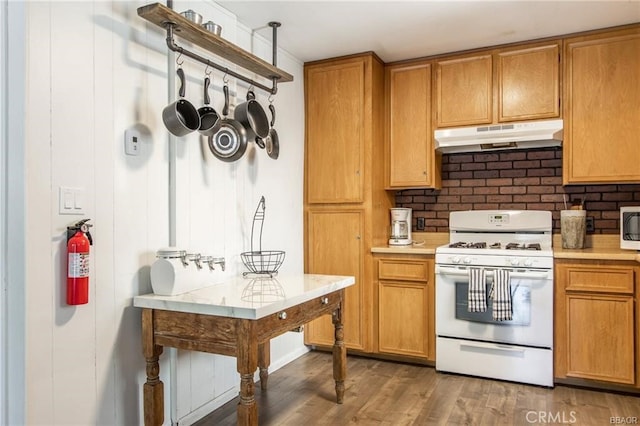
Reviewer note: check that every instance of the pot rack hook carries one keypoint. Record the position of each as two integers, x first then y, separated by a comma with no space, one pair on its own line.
225,79
178,58
271,98
207,71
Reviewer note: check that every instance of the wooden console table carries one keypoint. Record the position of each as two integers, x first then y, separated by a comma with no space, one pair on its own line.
238,318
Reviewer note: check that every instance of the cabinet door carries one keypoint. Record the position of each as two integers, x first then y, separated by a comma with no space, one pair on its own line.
335,132
528,83
406,311
403,318
601,108
334,247
411,153
464,91
601,339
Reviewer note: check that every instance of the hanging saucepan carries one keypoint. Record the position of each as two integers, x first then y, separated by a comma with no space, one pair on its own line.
209,118
181,117
230,141
252,116
272,142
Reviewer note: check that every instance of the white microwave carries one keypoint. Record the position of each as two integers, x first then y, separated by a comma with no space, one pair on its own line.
630,228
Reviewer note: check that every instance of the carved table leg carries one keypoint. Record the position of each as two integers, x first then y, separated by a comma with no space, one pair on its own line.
153,389
247,359
339,355
264,359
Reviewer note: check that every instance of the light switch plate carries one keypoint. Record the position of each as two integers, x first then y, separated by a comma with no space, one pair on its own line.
71,200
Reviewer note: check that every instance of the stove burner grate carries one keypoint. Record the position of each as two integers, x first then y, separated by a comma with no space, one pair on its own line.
517,246
462,244
497,245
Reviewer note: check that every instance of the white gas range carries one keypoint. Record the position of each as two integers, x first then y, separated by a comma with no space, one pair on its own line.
494,296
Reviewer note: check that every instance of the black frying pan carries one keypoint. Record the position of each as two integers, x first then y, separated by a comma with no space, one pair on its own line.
252,116
272,142
229,143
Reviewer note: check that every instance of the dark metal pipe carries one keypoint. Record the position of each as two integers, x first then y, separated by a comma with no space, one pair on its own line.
274,42
274,52
174,47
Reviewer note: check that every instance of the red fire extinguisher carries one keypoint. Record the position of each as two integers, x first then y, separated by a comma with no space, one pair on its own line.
78,242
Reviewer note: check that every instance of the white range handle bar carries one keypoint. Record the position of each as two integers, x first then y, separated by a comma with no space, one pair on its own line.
444,270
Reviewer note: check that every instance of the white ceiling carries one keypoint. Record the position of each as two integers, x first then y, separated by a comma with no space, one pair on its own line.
398,30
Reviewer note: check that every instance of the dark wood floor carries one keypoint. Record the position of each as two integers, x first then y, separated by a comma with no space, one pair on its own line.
388,393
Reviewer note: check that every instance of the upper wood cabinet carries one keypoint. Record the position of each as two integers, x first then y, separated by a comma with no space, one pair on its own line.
464,91
411,158
528,86
602,108
335,131
511,84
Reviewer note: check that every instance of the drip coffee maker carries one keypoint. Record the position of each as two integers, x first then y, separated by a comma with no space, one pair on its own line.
400,227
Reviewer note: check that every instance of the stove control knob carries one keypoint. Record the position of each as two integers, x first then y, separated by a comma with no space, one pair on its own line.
455,259
528,262
514,261
467,260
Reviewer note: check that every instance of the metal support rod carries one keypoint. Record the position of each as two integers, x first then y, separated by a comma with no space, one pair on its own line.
174,47
274,50
274,42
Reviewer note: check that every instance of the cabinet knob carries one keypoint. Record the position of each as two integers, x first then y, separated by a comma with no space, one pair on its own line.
324,300
282,315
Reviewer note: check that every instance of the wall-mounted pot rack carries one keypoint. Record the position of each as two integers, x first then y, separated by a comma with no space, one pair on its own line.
176,24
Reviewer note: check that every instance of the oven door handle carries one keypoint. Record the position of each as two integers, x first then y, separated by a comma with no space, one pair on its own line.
445,270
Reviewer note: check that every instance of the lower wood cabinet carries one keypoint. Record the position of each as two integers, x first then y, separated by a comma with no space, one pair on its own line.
405,306
596,325
335,247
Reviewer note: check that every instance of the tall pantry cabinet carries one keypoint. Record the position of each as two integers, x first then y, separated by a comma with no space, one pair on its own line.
345,204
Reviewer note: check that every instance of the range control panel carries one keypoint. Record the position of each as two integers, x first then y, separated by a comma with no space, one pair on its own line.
499,218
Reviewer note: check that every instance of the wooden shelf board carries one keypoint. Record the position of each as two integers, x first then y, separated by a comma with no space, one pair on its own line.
160,15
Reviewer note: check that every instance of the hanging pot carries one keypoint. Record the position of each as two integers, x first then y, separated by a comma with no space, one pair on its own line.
252,116
181,117
209,118
229,143
272,142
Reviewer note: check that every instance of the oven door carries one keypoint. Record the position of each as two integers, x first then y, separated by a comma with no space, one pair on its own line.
532,304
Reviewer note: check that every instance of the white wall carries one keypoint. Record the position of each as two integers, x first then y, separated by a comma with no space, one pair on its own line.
92,70
14,221
3,214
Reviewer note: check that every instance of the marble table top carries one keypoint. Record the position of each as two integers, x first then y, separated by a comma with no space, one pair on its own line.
248,297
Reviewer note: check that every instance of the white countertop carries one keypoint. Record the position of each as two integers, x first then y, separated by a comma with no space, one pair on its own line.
250,298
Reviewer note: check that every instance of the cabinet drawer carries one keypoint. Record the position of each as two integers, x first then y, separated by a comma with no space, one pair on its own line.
600,279
402,269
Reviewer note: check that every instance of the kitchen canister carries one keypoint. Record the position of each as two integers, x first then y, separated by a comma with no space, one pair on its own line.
573,227
174,272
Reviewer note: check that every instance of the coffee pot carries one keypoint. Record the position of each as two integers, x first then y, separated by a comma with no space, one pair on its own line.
400,227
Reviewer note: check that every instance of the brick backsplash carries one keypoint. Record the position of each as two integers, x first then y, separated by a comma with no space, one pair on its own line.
528,179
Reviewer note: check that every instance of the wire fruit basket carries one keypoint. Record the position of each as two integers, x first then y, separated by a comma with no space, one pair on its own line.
261,262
